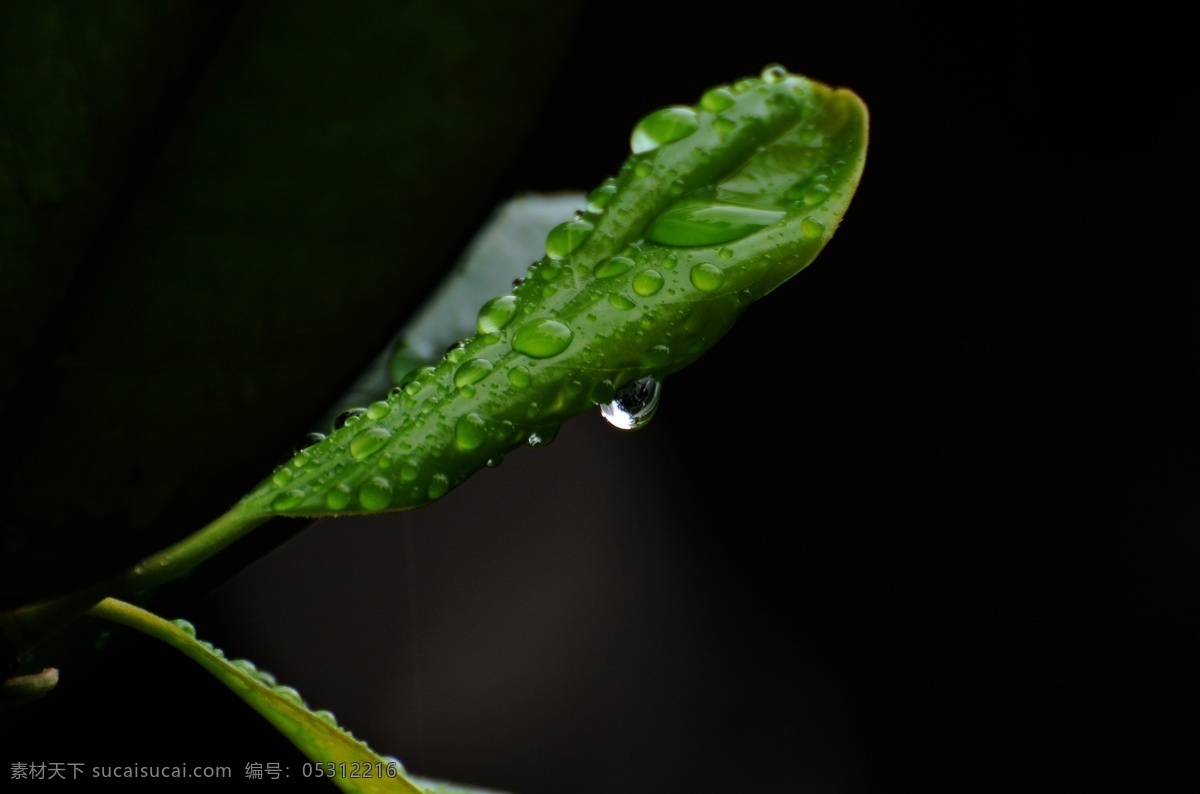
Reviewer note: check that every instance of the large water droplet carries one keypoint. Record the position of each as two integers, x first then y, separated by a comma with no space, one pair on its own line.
472,372
542,338
634,404
520,377
369,441
598,199
470,431
811,228
338,497
288,499
566,237
345,417
647,282
707,277
289,694
375,494
619,301
185,626
612,267
496,314
661,127
247,667
703,222
716,100
378,410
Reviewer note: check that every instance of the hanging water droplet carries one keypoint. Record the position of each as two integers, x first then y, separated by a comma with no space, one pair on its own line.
663,126
345,417
369,441
542,338
338,497
375,494
647,283
692,222
634,404
598,199
566,237
612,267
306,441
495,460
496,314
542,436
470,431
707,277
185,626
287,499
716,100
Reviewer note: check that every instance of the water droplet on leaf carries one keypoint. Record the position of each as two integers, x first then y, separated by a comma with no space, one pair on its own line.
375,494
496,314
663,126
707,277
369,442
566,237
693,222
647,282
472,372
716,100
345,416
542,338
612,267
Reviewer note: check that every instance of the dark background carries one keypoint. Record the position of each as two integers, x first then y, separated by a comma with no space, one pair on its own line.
924,520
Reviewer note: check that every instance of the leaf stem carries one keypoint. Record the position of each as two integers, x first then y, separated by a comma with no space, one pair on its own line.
25,627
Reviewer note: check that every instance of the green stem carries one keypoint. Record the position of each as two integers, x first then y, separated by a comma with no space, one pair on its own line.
25,627
177,560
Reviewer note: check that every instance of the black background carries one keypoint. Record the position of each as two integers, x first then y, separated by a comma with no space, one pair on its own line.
924,520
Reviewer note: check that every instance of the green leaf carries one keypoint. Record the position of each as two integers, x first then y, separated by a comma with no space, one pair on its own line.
315,734
719,205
